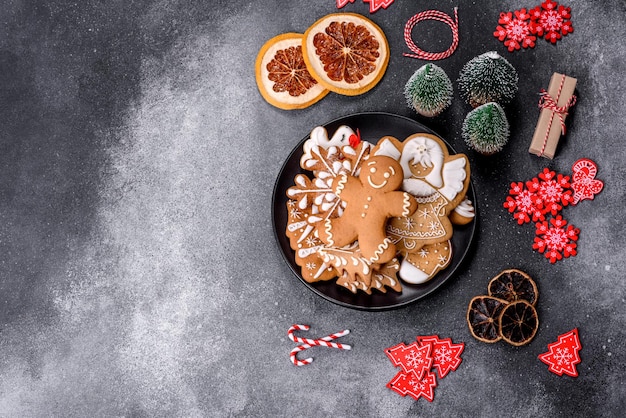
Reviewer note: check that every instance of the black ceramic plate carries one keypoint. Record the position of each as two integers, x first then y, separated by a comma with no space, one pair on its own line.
372,127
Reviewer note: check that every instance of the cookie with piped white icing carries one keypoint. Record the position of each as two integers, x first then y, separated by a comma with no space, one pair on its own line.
439,182
305,243
371,199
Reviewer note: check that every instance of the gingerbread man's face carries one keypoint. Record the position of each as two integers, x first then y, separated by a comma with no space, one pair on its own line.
381,173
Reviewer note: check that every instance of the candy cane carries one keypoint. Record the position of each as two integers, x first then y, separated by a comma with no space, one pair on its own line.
432,15
308,343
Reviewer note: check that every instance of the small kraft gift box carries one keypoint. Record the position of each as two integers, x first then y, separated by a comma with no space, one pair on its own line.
555,104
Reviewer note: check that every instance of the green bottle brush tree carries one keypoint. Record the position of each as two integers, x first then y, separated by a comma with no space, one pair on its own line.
429,90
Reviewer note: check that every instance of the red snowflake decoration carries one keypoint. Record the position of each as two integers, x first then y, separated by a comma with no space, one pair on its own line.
553,190
562,356
556,239
516,32
547,194
524,203
551,21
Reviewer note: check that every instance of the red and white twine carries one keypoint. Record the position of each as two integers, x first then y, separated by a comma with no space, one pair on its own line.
431,15
308,343
548,102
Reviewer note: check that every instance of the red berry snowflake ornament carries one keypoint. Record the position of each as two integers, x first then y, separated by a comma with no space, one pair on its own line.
553,190
562,356
546,195
524,203
551,21
515,31
556,239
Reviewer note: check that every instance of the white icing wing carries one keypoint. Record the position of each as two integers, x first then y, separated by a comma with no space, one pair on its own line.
417,187
453,177
387,149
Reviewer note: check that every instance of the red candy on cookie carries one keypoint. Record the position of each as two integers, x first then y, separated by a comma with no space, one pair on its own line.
371,199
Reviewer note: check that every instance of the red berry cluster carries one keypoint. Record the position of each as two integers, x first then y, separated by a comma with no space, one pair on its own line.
521,28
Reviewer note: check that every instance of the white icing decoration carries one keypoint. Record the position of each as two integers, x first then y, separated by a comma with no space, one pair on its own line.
387,148
319,137
295,226
465,208
417,187
453,175
428,153
407,204
380,250
305,233
305,252
300,180
411,274
304,202
327,228
323,267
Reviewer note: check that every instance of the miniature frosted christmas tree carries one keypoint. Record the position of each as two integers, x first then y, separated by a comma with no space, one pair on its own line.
429,90
486,129
488,78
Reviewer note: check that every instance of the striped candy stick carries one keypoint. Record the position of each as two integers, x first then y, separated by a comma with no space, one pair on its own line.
308,343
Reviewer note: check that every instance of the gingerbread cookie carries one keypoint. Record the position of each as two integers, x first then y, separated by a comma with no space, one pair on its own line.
371,199
439,182
303,241
463,213
419,267
357,273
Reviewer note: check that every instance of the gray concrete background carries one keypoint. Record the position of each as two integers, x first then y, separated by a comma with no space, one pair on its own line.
139,274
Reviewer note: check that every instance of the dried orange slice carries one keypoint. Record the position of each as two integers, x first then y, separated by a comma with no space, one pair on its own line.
513,285
282,76
346,52
518,323
483,318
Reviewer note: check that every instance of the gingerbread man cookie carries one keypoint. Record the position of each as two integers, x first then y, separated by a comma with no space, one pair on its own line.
371,199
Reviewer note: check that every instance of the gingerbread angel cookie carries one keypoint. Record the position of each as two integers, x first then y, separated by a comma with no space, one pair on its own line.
371,199
439,182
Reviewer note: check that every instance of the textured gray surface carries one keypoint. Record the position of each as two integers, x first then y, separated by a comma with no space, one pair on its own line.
139,274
